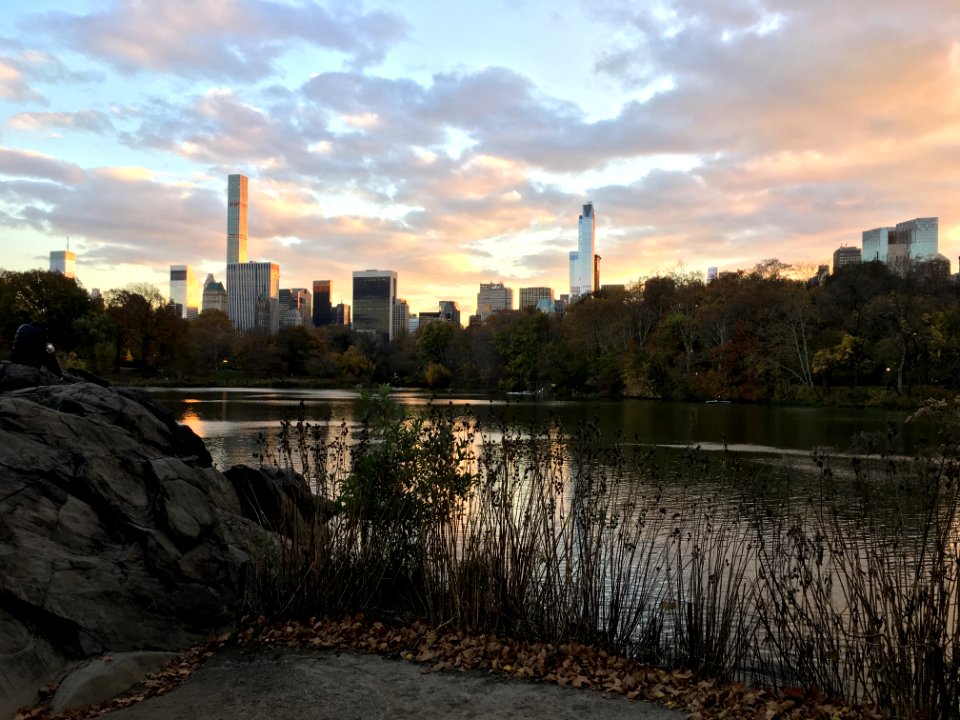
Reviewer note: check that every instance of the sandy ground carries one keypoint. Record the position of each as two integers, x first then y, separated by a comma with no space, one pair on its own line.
257,682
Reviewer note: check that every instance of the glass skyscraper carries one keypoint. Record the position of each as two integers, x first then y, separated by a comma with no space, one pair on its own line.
583,260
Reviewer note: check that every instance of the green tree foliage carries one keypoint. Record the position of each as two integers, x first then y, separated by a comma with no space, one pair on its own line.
47,298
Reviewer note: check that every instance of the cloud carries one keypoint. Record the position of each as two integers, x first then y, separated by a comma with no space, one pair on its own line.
237,40
14,86
85,120
26,164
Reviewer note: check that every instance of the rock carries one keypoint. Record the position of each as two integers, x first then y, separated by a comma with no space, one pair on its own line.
101,679
116,534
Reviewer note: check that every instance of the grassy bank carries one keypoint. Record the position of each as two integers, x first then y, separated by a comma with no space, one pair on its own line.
560,538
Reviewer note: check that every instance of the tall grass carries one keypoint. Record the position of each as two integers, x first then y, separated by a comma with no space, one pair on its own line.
557,537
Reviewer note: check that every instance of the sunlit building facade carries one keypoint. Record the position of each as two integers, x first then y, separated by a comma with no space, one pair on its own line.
903,246
237,203
492,298
584,266
185,290
63,262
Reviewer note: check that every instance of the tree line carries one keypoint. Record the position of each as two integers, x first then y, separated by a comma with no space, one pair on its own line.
752,336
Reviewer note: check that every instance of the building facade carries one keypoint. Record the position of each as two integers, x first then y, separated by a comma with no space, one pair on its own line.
374,299
530,297
322,308
401,318
237,203
845,255
341,315
450,311
295,307
214,295
185,290
492,298
253,296
903,246
584,262
874,244
63,262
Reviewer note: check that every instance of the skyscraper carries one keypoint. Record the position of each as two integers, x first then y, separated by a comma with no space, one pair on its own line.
845,255
401,318
236,220
875,244
530,297
583,260
322,309
450,311
214,295
295,307
493,297
901,246
63,262
374,298
254,296
184,290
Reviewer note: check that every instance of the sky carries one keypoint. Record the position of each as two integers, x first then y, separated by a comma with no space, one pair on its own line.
455,143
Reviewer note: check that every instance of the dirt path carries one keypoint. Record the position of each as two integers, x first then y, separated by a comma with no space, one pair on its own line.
259,682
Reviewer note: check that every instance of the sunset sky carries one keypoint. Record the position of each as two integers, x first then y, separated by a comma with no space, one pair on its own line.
455,142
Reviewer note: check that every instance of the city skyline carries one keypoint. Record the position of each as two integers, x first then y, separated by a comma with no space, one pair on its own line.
456,145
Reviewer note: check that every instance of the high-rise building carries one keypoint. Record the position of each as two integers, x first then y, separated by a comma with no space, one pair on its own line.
374,298
584,261
450,311
322,310
530,297
295,307
184,290
236,220
214,295
845,255
253,300
493,297
902,246
341,315
711,274
63,262
401,318
875,243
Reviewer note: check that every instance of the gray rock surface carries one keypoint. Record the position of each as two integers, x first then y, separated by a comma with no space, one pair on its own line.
101,679
116,534
278,683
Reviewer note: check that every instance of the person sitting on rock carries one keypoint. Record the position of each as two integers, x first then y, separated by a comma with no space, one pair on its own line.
30,347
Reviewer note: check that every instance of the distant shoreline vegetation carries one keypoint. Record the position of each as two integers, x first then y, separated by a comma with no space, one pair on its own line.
865,337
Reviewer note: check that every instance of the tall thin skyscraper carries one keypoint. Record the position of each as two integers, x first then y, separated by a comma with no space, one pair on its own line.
583,260
236,219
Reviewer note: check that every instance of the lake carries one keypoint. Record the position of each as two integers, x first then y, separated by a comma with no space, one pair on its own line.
231,420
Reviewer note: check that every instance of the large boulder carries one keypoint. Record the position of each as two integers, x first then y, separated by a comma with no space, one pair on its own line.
116,534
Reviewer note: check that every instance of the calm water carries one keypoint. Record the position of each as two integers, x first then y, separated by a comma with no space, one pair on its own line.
230,420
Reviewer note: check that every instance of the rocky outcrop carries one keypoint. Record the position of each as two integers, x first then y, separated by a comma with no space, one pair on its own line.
116,534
